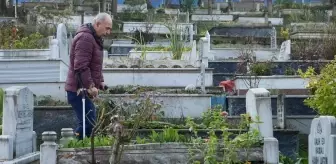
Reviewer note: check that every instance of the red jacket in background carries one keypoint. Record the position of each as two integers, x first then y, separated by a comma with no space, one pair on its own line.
86,57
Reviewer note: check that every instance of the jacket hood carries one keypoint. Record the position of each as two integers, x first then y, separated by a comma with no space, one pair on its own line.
84,28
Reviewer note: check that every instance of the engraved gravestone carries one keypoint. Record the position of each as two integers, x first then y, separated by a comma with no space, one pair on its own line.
18,119
322,140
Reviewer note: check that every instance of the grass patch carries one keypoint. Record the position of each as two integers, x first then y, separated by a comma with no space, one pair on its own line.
86,143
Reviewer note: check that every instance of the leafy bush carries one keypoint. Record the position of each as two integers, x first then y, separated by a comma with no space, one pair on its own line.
261,69
12,37
33,41
323,88
168,135
98,141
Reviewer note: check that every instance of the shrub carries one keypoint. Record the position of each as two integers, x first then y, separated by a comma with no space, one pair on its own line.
323,88
12,37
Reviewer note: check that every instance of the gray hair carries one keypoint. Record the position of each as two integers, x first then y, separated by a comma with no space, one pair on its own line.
101,17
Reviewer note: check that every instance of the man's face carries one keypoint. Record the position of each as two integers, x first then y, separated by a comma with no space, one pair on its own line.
104,27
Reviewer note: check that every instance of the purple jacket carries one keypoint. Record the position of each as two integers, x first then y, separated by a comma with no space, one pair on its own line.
86,58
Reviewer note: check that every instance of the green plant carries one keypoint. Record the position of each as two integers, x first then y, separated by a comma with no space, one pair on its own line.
227,143
286,160
140,140
213,118
313,78
141,44
324,88
169,134
98,141
261,69
33,41
139,110
177,44
290,71
284,33
13,37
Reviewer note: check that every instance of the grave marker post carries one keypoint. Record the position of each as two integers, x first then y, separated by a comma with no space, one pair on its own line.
258,106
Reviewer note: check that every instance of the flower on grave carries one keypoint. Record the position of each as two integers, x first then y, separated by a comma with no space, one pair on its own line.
224,113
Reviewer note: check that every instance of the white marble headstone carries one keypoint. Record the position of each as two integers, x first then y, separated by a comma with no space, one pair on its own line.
62,37
285,51
207,35
193,56
18,118
322,140
258,106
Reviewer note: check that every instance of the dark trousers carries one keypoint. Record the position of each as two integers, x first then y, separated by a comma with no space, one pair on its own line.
90,118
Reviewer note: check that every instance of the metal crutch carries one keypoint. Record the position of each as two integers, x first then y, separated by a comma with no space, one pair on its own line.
82,90
84,113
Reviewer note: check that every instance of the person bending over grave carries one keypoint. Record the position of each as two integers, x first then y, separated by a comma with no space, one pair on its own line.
85,75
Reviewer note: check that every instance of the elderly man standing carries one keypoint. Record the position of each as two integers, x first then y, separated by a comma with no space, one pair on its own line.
85,70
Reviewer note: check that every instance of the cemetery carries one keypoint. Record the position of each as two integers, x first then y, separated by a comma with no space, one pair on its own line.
194,81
